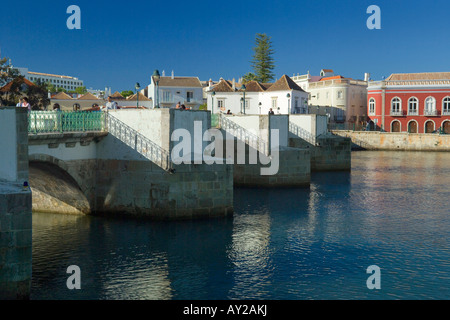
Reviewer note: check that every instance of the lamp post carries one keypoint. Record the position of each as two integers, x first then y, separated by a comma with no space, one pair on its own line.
260,104
137,87
156,77
212,102
288,96
243,99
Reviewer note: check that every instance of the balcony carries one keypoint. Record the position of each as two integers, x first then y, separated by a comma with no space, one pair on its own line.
396,113
446,112
430,113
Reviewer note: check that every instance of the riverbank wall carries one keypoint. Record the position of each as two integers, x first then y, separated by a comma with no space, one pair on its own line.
402,141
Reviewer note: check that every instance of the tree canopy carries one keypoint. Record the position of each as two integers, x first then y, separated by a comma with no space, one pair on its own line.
263,62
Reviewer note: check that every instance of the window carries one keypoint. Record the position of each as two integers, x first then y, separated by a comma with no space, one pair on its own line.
189,96
396,106
166,96
318,95
372,106
274,103
446,106
247,106
340,94
221,104
327,95
413,104
430,106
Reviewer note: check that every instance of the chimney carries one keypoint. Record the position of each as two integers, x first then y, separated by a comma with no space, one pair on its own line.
163,73
210,83
173,76
234,84
366,76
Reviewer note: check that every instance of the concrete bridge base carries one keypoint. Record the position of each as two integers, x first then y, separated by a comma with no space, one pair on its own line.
331,154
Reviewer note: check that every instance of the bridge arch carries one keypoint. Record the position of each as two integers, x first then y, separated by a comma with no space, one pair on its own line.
53,188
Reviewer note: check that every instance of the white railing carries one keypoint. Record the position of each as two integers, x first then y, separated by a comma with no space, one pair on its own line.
396,113
446,112
430,113
333,82
243,134
138,142
302,133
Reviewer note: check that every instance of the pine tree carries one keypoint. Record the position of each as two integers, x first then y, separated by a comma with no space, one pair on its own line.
263,63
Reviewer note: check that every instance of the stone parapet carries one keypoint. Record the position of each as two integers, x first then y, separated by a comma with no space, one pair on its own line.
402,141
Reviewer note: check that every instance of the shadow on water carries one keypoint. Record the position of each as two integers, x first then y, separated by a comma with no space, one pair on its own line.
300,243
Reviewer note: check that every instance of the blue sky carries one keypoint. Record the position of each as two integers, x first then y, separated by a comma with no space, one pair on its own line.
123,42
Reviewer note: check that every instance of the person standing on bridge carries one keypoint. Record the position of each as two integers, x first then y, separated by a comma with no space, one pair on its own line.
111,104
25,103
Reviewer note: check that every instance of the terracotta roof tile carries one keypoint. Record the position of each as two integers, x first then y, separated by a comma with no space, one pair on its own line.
284,83
141,97
419,76
88,96
191,82
254,86
62,96
7,87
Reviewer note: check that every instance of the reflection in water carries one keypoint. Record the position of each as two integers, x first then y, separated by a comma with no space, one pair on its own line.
308,243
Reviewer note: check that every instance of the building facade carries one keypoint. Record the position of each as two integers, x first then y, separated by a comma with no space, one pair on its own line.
410,102
284,97
58,81
171,90
344,100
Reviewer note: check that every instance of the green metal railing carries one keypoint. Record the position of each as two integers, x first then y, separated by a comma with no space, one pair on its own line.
214,120
65,121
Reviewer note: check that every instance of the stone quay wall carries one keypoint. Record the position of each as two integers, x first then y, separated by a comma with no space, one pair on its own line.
374,140
333,152
15,206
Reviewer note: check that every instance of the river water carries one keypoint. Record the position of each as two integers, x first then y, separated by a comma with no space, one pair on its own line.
392,210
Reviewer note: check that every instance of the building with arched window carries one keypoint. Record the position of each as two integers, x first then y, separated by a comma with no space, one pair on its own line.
410,102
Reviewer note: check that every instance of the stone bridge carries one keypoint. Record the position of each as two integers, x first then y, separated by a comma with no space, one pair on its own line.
128,162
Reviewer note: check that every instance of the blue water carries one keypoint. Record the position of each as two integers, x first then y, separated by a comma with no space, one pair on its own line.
391,210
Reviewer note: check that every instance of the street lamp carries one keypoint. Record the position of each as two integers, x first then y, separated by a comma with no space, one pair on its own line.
212,102
260,104
243,99
137,87
156,77
288,96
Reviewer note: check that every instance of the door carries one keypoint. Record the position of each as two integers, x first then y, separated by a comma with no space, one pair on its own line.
429,127
446,127
395,126
412,127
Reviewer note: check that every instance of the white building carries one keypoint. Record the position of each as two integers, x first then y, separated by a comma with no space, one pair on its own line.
59,81
284,97
343,99
171,90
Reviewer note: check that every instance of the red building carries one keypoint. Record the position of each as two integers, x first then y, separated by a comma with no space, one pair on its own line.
410,102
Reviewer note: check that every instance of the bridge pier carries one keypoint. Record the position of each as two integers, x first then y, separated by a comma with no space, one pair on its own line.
15,206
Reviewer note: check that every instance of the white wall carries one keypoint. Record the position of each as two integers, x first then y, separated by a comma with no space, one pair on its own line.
146,122
8,144
66,154
232,101
314,124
